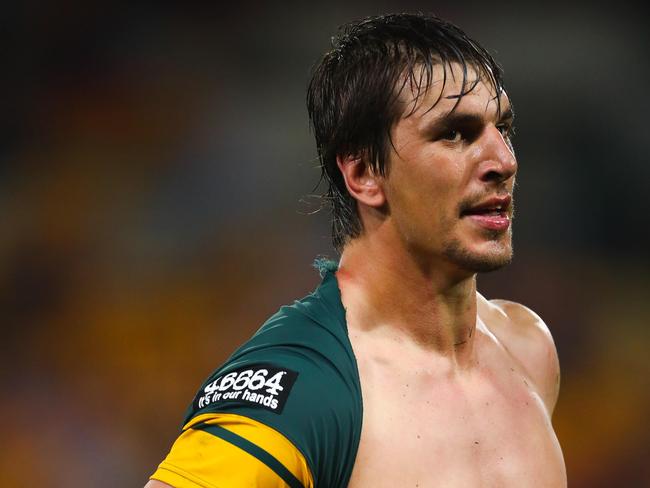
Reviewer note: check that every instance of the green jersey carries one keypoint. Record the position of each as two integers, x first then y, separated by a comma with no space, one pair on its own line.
298,376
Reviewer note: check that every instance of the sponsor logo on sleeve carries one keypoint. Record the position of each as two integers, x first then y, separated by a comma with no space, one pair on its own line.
256,385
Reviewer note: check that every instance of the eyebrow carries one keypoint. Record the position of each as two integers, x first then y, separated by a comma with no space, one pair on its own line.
455,118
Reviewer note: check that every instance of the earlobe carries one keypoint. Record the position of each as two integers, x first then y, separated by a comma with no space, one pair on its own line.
364,184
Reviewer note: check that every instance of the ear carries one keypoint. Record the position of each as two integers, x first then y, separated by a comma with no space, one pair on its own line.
362,182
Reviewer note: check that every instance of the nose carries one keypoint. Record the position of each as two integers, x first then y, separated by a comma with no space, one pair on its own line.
497,160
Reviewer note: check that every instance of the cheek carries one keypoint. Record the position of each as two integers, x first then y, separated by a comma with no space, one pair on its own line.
432,185
423,201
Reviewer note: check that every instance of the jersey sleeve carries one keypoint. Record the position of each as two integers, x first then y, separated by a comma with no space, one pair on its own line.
284,410
226,450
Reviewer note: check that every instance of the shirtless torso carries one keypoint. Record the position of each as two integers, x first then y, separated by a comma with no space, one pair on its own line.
429,423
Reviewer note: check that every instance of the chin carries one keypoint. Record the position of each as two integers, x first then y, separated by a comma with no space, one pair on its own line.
494,256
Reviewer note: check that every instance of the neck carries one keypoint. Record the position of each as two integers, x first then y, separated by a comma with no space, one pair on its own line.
386,290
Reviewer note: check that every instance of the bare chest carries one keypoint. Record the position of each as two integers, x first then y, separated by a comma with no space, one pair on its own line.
424,428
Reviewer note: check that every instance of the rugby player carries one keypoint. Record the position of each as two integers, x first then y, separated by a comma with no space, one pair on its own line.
395,371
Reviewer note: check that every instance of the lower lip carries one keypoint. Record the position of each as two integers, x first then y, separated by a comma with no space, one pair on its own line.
491,222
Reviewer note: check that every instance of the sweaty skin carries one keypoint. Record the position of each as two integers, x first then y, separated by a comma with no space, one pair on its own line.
430,423
457,390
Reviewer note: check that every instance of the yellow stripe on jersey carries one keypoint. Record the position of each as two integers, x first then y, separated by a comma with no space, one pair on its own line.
264,437
199,458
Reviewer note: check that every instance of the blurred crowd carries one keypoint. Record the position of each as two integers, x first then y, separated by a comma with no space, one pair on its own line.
158,188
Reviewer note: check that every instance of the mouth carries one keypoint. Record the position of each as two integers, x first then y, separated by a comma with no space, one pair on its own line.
492,214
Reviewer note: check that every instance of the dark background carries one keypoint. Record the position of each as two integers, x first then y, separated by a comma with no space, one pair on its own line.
156,169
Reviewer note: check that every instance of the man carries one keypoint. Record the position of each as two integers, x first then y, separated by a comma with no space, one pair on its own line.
395,372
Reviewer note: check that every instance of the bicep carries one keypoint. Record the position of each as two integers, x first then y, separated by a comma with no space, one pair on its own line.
219,450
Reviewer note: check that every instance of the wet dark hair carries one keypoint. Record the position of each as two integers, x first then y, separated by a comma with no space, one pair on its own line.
353,95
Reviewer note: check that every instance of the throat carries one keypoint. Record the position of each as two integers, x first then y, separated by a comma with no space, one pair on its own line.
417,322
394,296
442,333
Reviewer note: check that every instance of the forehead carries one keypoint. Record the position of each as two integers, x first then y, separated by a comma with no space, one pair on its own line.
448,88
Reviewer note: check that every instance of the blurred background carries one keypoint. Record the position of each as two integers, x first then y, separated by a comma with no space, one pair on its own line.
156,182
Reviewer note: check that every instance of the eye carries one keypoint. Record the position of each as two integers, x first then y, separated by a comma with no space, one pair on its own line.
507,130
452,135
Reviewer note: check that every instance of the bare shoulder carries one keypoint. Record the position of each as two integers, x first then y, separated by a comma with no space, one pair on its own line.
528,339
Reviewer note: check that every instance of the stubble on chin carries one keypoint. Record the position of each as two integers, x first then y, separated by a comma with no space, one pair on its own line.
480,262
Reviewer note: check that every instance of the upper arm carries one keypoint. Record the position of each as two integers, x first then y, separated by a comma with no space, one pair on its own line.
530,341
219,450
284,417
285,406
